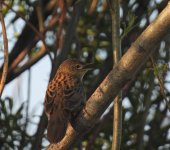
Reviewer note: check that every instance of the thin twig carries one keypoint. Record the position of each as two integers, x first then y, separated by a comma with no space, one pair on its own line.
59,35
93,6
28,97
161,85
5,68
117,111
33,28
40,16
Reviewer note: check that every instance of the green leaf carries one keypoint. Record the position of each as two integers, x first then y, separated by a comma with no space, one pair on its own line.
18,113
10,101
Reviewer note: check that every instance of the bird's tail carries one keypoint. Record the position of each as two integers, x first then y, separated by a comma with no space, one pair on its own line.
57,125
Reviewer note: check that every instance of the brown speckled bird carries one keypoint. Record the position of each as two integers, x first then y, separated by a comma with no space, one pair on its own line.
65,97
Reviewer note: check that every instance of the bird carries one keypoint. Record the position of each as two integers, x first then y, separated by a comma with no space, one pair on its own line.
65,97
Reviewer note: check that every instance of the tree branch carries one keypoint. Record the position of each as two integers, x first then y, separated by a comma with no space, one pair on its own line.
48,7
161,84
116,45
13,67
5,66
17,71
126,69
39,34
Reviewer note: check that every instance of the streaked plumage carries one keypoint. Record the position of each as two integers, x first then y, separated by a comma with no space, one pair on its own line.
65,97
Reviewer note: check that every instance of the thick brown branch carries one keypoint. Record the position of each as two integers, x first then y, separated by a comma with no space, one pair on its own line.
5,66
126,69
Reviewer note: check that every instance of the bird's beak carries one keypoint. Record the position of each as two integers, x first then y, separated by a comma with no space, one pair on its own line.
88,66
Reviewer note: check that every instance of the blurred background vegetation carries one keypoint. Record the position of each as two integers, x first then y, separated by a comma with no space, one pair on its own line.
82,29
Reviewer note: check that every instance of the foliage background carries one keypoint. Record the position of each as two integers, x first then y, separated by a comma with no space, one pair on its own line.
82,30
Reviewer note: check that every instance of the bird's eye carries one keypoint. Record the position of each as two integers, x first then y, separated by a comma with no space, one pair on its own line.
78,66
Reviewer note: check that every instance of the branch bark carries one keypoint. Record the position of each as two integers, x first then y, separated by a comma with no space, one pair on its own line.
126,69
5,66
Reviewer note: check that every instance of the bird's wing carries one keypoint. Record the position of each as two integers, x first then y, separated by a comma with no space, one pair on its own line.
50,98
57,118
57,125
74,98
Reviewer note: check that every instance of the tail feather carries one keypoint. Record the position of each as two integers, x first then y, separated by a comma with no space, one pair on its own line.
57,125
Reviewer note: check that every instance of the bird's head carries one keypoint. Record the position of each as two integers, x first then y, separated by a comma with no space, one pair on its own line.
75,67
